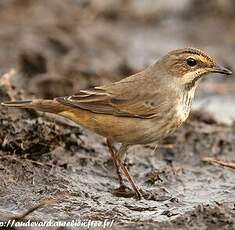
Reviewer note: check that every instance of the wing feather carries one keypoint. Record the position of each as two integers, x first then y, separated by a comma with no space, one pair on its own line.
123,98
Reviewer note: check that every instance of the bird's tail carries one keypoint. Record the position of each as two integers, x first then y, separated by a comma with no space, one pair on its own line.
50,106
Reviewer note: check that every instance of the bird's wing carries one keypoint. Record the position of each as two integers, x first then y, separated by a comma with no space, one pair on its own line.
124,98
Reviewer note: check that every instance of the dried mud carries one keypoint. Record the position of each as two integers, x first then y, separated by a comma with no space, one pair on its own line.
41,156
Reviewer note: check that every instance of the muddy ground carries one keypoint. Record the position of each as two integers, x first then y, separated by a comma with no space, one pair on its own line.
59,47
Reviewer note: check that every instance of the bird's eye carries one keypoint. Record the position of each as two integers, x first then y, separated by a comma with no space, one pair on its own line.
191,62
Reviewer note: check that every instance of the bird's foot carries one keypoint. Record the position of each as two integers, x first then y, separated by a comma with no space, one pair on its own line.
123,191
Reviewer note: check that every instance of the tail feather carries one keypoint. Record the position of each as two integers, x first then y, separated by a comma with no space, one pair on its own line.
50,106
16,103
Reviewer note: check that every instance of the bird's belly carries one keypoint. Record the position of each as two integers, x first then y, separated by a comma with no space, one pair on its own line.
127,130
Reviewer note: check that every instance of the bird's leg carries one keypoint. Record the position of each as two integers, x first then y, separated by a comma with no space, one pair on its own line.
120,158
113,155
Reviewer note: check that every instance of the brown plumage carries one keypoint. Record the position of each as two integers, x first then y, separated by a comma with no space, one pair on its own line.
139,109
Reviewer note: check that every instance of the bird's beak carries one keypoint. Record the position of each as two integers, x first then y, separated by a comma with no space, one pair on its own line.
221,69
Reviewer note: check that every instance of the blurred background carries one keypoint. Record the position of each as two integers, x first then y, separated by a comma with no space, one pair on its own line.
59,47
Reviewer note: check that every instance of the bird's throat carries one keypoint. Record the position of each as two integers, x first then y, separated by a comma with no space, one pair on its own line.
187,96
185,103
190,85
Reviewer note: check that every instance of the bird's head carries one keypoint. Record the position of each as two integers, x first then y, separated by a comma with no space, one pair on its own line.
187,66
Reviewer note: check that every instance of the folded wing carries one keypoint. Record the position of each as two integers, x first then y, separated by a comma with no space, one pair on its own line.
123,98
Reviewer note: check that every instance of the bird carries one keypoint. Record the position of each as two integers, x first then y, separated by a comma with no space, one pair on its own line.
143,108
